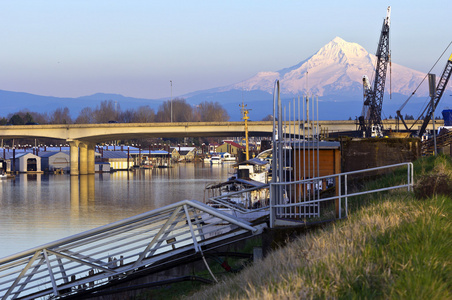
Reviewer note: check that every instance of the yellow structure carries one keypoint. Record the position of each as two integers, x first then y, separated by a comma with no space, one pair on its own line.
245,118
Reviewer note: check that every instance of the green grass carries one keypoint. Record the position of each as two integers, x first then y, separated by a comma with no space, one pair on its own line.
392,246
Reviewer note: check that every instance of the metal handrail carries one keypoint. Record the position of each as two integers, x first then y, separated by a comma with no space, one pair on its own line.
345,195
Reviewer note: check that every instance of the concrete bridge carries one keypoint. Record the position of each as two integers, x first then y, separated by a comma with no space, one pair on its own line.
82,138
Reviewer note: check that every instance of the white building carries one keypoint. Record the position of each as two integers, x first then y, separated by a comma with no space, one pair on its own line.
27,162
52,161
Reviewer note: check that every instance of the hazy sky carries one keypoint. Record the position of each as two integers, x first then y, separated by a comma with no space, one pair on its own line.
80,47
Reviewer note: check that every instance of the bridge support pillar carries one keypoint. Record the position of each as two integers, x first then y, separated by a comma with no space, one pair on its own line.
82,158
91,159
74,157
83,164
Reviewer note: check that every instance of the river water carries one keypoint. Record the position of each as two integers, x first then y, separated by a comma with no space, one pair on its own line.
40,208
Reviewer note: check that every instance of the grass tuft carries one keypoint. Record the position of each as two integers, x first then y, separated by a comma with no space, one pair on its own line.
436,182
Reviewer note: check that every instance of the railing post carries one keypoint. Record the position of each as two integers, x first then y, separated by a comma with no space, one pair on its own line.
410,176
272,212
339,213
346,197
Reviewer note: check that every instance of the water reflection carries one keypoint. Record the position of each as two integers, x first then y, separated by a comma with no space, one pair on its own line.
39,208
82,193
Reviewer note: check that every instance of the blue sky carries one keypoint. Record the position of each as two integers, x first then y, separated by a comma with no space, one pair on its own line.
75,48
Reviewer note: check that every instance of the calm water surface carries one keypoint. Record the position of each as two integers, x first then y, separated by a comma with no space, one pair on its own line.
37,209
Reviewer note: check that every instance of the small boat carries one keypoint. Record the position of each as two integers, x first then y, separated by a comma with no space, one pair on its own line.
6,176
246,194
227,157
216,160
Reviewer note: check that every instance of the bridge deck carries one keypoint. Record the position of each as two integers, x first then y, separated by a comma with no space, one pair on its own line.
95,133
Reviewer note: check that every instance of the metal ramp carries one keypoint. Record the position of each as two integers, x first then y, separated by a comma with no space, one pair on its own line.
93,258
442,140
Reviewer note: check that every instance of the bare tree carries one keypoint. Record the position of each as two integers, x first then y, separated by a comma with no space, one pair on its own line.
60,116
107,111
178,108
127,116
40,118
164,112
268,118
86,116
144,114
211,112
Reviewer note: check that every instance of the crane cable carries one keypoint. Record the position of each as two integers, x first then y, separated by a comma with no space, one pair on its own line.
412,94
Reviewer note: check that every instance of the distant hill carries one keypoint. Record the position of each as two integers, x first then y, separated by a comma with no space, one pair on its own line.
334,74
15,101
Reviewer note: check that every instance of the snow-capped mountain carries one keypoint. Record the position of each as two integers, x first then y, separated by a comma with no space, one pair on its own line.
336,69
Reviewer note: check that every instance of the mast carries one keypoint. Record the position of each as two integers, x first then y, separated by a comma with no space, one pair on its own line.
245,118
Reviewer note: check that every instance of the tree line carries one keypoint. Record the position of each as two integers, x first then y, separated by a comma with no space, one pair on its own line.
177,110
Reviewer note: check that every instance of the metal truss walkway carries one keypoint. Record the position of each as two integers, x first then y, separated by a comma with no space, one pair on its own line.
93,258
442,140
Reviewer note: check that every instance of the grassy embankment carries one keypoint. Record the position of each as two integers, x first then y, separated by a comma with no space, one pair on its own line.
394,245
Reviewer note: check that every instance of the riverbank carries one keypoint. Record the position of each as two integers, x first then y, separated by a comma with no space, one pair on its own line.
396,245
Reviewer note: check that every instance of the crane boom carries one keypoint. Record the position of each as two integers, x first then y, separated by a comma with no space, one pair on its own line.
373,101
438,94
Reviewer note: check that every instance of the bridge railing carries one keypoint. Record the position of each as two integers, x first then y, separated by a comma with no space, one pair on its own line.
95,257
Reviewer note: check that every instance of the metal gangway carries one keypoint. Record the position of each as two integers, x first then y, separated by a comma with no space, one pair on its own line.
92,259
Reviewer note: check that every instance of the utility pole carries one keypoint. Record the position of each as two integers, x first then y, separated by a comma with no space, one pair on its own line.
171,100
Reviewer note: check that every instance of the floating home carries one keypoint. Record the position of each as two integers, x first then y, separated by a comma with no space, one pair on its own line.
55,161
27,163
118,160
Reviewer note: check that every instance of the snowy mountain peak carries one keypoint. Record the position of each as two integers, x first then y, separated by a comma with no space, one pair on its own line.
340,51
335,69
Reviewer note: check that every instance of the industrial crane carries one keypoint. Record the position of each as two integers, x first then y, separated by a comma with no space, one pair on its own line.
431,106
370,120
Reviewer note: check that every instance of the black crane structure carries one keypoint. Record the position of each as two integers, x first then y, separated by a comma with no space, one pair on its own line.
427,113
442,83
370,119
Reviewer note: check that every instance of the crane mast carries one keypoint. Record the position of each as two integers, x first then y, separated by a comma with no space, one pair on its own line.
442,83
370,119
